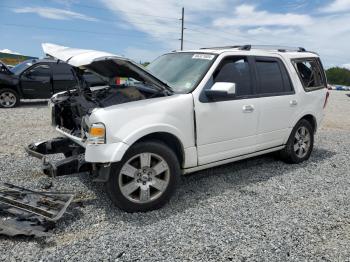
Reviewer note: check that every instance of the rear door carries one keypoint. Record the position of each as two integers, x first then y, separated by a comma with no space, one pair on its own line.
63,78
278,102
36,81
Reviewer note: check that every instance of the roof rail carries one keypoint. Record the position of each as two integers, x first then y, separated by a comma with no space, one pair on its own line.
263,47
222,47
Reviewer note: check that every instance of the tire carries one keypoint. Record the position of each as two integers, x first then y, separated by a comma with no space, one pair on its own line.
9,98
134,185
300,143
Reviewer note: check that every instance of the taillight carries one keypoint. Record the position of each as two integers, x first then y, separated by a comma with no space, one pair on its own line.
326,100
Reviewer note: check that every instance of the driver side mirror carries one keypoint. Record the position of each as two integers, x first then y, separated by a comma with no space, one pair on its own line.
221,90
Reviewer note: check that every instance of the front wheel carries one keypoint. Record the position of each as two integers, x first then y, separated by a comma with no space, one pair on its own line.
8,98
146,177
300,143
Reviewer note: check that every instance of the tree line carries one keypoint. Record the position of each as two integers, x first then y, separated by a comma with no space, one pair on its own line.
338,76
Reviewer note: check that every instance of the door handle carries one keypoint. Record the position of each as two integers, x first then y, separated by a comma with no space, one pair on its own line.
293,102
248,108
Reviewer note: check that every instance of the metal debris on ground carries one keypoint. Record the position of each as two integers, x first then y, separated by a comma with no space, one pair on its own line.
33,213
17,227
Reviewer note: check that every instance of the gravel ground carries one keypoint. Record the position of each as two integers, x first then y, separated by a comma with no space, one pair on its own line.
254,210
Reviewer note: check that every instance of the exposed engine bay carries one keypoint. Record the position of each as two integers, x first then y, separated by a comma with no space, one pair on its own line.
69,108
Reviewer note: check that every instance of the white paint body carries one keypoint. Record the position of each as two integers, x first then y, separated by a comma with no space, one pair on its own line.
210,133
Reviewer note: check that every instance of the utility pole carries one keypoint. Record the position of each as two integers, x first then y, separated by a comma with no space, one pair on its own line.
182,28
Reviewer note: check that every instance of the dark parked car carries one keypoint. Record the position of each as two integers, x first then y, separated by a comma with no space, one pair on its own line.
38,79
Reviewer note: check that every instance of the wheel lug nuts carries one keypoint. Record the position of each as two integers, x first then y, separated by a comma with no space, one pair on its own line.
138,181
144,183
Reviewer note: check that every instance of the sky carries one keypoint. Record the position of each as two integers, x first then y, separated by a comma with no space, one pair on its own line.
145,29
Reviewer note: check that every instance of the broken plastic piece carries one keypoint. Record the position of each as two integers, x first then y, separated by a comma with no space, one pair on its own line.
49,205
16,227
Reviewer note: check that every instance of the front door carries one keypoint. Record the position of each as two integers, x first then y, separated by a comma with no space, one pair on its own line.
227,128
36,82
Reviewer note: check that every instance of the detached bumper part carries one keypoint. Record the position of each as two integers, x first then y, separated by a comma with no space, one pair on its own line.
73,163
32,213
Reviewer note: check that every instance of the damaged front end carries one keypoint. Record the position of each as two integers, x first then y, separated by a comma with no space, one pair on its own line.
71,110
72,163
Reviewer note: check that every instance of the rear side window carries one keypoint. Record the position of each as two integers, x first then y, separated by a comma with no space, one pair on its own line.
310,73
236,70
272,77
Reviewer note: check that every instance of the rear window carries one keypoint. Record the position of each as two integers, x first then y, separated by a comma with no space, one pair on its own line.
310,73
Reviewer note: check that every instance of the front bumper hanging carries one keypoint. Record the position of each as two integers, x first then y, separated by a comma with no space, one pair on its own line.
74,161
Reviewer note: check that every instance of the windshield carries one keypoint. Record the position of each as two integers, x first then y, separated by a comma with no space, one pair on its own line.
21,67
181,71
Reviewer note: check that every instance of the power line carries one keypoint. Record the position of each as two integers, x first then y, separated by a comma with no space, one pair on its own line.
193,42
102,19
213,34
107,9
245,38
127,12
82,31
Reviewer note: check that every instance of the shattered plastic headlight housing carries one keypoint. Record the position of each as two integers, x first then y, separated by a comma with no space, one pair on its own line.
97,134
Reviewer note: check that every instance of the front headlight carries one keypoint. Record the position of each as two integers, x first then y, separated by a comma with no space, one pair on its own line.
97,134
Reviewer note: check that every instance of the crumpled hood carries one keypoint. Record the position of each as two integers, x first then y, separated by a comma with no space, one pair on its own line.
104,64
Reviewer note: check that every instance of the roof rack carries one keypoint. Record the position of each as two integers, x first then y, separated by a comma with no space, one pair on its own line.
263,47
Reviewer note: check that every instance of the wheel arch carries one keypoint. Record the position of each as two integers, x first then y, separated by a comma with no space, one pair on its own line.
172,141
12,87
311,119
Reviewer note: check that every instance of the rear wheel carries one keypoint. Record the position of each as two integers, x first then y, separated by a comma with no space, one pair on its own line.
145,179
300,143
8,98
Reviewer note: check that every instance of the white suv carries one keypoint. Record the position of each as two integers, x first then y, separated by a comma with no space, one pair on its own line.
187,111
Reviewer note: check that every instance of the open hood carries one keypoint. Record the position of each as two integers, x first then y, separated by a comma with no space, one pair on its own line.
104,64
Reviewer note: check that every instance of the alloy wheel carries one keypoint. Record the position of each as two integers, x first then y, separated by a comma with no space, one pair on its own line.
7,99
144,178
302,142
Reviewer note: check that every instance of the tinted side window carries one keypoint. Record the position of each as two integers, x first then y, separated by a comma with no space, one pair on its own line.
62,69
310,74
269,77
40,70
236,70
